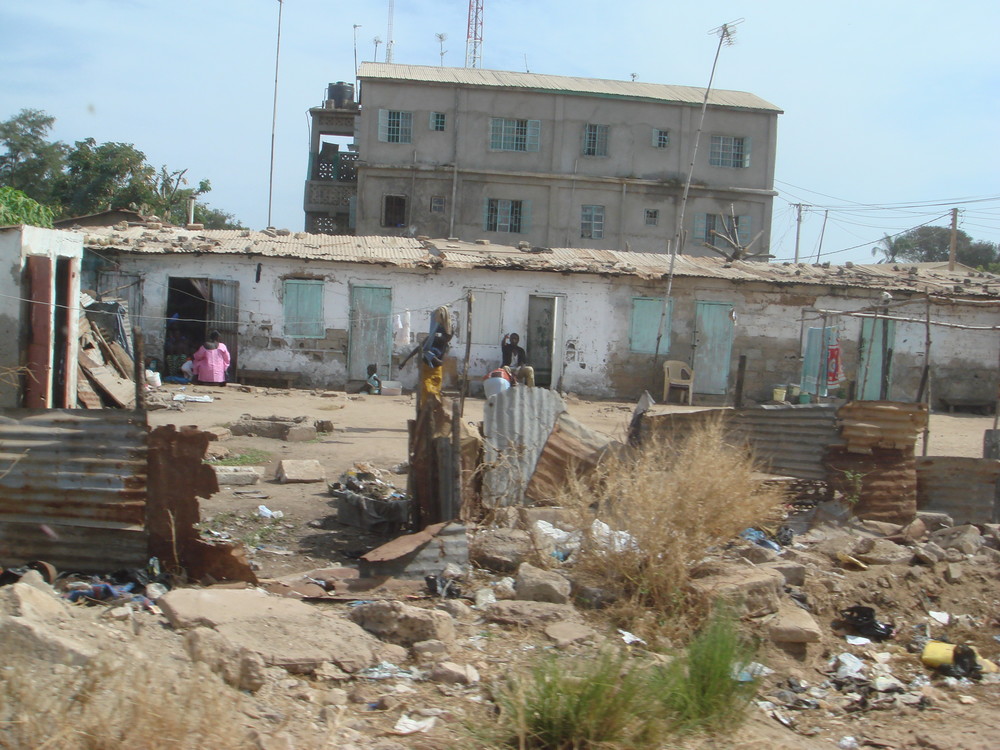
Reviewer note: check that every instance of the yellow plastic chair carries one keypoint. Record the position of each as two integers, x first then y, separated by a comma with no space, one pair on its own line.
677,374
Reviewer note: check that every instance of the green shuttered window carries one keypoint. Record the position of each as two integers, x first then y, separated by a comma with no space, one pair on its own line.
646,313
303,305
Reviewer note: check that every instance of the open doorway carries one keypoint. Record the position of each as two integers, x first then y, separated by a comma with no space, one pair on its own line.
544,334
195,307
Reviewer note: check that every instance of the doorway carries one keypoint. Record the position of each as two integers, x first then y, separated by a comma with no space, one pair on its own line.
714,323
194,308
878,338
543,335
371,331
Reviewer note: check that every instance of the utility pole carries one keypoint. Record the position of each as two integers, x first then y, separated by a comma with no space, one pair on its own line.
274,116
819,249
798,230
953,245
389,42
356,27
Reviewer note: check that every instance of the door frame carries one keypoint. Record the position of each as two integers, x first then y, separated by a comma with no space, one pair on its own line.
558,335
352,351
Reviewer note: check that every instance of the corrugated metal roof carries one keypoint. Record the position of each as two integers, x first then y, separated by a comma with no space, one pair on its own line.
566,84
73,488
408,252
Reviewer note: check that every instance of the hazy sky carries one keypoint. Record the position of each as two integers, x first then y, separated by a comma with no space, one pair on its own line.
892,109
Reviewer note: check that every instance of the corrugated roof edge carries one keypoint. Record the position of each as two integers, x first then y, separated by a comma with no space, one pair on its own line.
692,95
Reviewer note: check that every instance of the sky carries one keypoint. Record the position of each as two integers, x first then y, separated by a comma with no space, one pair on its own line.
890,107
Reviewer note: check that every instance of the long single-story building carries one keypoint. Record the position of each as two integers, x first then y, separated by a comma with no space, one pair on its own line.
326,307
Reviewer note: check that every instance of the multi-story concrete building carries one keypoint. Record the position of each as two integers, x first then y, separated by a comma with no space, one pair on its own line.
557,161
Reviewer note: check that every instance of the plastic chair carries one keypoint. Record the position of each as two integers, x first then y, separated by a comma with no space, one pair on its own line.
677,374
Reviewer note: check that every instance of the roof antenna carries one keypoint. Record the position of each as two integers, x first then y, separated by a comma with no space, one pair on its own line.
526,63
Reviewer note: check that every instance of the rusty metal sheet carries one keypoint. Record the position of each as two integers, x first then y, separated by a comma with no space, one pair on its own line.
964,488
865,425
883,482
571,450
788,440
516,425
73,488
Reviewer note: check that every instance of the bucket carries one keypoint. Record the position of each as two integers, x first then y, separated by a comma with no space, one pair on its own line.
778,394
392,388
493,386
805,398
937,653
793,392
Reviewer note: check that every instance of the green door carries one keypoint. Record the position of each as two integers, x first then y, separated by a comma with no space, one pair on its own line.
714,324
371,331
878,337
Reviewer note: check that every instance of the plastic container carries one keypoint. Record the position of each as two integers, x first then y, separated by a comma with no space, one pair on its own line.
493,386
805,398
392,388
153,378
793,391
778,393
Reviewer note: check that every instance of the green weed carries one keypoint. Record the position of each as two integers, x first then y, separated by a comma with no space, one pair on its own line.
251,457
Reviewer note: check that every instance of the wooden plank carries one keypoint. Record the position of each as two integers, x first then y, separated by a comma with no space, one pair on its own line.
120,390
403,545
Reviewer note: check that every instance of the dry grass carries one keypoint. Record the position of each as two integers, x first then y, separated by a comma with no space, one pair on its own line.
674,500
114,703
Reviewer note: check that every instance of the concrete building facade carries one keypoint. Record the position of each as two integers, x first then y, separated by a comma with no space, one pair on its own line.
556,161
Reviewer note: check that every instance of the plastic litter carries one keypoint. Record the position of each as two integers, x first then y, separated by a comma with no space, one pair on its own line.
199,399
941,617
956,660
484,597
759,538
264,512
751,671
386,671
630,638
862,620
857,640
848,665
406,725
617,541
848,743
446,588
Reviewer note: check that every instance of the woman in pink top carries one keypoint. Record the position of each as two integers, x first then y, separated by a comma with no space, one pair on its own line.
211,361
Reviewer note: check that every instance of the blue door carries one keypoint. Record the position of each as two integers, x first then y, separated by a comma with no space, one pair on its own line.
713,340
878,337
371,331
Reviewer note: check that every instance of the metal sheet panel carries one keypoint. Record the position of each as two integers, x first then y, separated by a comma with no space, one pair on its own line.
73,488
516,425
964,488
865,425
790,440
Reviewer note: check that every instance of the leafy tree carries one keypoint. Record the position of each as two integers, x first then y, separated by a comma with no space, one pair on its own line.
104,176
932,244
17,208
890,248
30,162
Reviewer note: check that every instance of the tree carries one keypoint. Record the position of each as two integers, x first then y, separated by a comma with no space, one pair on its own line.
932,244
30,162
17,208
890,248
102,176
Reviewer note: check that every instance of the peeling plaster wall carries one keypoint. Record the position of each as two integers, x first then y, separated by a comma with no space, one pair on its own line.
593,356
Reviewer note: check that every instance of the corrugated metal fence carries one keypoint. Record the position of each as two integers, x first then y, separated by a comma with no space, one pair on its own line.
73,487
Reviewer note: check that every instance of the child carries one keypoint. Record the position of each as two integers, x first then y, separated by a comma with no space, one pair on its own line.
373,384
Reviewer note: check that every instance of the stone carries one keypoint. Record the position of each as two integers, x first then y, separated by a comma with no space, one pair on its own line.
285,632
754,591
794,573
757,554
935,521
929,553
953,573
965,538
954,555
300,433
914,531
593,597
238,476
794,625
39,640
538,585
457,609
237,665
429,651
21,599
455,674
881,552
299,471
529,614
404,624
221,433
500,550
506,587
882,528
333,697
323,425
567,633
888,684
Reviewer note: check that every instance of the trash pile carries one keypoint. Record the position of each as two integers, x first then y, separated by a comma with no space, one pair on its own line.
369,502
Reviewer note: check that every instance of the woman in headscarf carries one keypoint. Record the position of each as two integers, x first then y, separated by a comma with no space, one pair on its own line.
433,351
211,361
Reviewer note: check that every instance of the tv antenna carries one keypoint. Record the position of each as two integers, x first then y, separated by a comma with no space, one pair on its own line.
441,39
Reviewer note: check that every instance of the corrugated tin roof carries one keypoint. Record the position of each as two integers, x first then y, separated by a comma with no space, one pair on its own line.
565,84
408,252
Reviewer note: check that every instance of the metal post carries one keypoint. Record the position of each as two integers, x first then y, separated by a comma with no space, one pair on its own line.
468,351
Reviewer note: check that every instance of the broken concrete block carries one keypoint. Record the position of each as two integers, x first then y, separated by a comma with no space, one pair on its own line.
403,624
39,640
429,651
237,665
567,633
31,602
929,553
455,674
755,591
299,471
529,614
935,521
238,476
537,585
794,573
882,528
757,554
457,609
880,552
953,573
965,539
300,433
794,625
221,433
500,550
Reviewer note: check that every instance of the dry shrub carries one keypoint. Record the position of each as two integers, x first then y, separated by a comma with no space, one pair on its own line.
114,703
674,500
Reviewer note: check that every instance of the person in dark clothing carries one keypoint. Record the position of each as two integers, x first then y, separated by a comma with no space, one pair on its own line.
515,358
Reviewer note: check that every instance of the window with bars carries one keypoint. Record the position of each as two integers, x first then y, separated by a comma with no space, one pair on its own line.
438,120
595,140
395,126
502,215
303,308
661,138
394,211
729,151
514,135
708,227
652,216
437,204
592,222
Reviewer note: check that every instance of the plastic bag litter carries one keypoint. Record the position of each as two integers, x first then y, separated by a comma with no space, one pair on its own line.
862,620
406,725
264,512
848,665
630,638
386,671
759,538
617,541
484,597
751,671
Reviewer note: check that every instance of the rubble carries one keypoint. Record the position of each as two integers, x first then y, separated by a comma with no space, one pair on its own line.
500,550
238,476
537,585
300,471
403,624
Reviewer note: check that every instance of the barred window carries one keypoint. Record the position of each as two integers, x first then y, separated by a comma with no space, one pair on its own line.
514,135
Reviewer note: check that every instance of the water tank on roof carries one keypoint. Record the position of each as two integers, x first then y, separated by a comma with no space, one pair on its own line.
340,93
